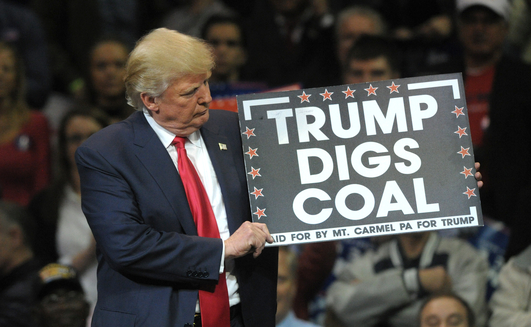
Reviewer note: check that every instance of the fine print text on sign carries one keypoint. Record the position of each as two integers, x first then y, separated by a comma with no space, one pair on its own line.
360,160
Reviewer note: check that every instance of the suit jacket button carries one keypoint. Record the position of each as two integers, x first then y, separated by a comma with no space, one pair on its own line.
189,273
206,274
194,274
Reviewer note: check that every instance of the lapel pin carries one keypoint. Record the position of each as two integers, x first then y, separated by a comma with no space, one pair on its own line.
222,146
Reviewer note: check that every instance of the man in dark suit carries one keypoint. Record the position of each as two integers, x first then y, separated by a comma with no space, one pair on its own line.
152,263
498,102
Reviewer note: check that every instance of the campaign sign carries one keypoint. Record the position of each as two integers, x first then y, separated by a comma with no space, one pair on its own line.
360,160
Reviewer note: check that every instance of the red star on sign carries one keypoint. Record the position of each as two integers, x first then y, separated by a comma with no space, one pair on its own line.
461,131
252,153
464,152
257,193
349,92
327,95
260,213
469,192
304,97
458,112
254,172
467,172
249,132
371,90
393,88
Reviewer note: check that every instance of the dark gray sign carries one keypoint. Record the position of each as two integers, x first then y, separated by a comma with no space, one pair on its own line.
360,160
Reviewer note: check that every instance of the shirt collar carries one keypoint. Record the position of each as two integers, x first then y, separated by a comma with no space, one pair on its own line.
165,136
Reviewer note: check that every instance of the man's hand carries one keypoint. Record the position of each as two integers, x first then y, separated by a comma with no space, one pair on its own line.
250,237
435,280
477,175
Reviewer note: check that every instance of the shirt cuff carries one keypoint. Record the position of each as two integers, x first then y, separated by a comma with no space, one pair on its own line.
222,264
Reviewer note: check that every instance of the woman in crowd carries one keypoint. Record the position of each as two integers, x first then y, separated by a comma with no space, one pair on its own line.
64,235
105,77
24,134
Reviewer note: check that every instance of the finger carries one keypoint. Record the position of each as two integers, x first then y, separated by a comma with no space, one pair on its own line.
258,251
262,227
269,238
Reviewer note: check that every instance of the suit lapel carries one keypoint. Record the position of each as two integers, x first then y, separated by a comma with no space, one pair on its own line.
222,156
155,159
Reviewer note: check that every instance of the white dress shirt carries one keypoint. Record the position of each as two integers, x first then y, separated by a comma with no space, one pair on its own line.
198,155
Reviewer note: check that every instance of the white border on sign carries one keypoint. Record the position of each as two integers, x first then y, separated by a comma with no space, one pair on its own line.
396,227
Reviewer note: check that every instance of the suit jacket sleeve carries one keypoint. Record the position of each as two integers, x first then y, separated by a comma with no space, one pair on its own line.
139,232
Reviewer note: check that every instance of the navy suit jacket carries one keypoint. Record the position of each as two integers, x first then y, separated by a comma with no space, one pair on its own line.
151,261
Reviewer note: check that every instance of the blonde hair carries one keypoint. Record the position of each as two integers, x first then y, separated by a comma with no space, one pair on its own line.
160,58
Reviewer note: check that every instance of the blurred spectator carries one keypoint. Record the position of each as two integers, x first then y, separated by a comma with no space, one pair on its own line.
25,163
189,16
498,103
64,234
314,266
286,288
372,58
353,22
229,77
421,19
20,27
226,36
386,287
106,88
446,310
291,41
18,269
519,38
73,26
61,300
491,241
511,302
425,30
408,19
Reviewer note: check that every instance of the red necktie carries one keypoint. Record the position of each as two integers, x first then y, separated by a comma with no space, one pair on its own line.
214,306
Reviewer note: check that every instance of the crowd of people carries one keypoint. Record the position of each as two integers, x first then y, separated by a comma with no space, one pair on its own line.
62,69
